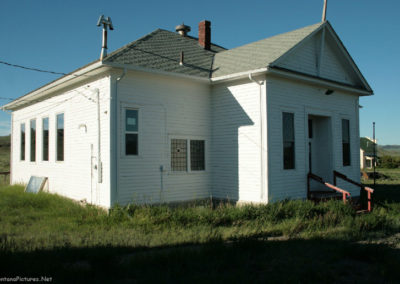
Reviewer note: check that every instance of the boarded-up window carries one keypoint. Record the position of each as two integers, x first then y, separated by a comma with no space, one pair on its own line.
131,132
346,142
33,140
60,137
45,139
197,160
179,155
22,142
288,140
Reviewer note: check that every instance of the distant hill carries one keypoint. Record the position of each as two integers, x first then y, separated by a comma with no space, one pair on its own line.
5,145
383,150
389,150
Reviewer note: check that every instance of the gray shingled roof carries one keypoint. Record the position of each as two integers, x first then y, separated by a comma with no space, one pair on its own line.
160,50
258,54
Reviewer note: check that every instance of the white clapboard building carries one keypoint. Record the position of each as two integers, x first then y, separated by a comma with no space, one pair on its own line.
171,117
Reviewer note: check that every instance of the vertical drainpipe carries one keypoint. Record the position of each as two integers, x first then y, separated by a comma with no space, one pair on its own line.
260,84
114,136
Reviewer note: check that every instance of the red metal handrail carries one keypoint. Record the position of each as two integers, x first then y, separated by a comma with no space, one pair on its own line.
344,193
362,187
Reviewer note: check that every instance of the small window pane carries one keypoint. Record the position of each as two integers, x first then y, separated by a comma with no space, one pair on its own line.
23,142
131,144
288,140
131,122
197,160
345,130
178,155
288,127
288,155
60,137
33,140
45,137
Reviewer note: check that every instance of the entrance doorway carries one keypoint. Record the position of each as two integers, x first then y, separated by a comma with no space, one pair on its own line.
320,160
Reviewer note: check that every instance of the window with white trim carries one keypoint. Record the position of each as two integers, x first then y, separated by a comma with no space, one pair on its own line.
45,139
187,155
22,142
131,132
288,140
33,140
346,142
60,137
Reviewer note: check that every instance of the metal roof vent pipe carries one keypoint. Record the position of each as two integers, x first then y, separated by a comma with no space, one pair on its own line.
182,29
205,34
106,22
181,59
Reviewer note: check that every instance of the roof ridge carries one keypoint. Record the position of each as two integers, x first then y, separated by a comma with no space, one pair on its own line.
194,38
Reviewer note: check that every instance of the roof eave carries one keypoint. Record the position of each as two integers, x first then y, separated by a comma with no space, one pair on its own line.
155,71
306,78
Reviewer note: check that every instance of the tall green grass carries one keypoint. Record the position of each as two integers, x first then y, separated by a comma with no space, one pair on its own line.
47,221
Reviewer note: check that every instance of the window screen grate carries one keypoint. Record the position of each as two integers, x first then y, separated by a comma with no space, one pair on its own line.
178,154
197,155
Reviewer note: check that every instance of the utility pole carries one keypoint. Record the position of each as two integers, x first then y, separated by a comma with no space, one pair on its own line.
324,11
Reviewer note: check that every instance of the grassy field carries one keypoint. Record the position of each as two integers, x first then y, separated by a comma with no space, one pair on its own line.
292,241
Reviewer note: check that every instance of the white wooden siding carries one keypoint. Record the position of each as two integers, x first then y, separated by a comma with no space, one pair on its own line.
302,100
71,177
306,58
236,148
168,108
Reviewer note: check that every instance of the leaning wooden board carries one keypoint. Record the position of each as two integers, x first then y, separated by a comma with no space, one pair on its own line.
35,184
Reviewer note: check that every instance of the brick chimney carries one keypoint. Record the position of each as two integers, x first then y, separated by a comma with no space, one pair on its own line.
205,34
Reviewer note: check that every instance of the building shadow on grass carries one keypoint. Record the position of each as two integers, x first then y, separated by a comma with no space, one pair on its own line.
387,193
243,260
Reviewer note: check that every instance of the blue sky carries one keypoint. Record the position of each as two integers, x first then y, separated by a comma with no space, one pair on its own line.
62,36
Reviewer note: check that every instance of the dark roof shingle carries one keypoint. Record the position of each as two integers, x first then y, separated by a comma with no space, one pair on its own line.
160,50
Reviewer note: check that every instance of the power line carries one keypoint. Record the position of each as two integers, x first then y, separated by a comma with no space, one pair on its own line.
40,70
32,68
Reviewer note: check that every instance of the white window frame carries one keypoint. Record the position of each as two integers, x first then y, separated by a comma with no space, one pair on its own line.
30,141
345,117
42,140
123,109
294,141
20,142
56,135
